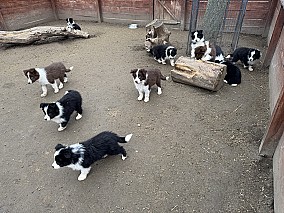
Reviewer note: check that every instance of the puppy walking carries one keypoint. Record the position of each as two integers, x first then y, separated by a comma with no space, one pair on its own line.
61,110
81,156
144,80
48,75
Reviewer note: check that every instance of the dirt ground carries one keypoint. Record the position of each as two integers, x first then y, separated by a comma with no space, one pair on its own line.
192,150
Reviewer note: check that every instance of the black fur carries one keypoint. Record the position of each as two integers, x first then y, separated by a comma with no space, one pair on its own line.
71,23
70,102
243,54
233,76
162,52
81,156
219,54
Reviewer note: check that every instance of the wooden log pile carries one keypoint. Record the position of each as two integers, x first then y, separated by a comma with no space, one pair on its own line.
207,75
36,34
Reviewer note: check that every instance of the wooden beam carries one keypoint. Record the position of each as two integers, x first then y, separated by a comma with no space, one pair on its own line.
269,16
54,9
2,20
275,128
99,11
167,9
274,38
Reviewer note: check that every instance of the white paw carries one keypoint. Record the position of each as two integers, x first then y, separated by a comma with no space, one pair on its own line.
79,116
146,100
159,91
60,86
61,128
65,80
226,81
172,64
234,85
43,95
163,62
123,157
56,91
250,69
82,177
140,98
245,66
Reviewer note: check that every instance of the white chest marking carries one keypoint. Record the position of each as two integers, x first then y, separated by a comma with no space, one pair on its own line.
42,76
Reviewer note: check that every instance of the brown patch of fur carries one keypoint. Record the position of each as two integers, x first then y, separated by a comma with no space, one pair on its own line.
200,51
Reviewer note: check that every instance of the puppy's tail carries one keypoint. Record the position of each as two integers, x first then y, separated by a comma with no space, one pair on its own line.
125,139
70,69
165,78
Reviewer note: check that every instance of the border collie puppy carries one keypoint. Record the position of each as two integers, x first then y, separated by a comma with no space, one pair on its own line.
248,56
81,156
233,76
163,52
144,80
71,25
197,40
48,75
61,110
209,52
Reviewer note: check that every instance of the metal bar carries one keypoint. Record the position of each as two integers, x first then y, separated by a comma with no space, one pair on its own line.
192,23
239,24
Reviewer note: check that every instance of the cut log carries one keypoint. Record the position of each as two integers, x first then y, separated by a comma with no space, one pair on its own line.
35,34
156,33
207,75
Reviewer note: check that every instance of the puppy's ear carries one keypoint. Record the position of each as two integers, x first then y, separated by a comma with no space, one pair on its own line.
133,71
59,146
42,105
201,31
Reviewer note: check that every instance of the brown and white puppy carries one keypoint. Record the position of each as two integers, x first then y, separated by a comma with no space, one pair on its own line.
209,52
144,80
48,75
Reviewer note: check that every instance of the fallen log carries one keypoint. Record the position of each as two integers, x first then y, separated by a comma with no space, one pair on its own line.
36,34
204,74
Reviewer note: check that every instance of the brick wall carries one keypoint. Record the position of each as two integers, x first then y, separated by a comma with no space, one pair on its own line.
20,14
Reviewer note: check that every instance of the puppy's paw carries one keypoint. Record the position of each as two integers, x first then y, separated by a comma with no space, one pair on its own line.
123,157
146,100
140,98
82,177
159,91
43,95
61,128
234,85
250,68
60,86
56,91
79,116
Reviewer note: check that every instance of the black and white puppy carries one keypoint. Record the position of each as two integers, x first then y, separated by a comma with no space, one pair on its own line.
61,110
81,156
71,25
48,75
233,76
163,52
197,40
144,80
248,56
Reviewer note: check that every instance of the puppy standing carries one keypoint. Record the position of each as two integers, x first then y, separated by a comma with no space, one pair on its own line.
233,76
61,110
248,56
144,80
48,75
81,156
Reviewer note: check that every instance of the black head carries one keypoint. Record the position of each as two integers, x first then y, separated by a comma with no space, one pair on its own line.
69,20
254,54
171,52
197,36
50,110
62,157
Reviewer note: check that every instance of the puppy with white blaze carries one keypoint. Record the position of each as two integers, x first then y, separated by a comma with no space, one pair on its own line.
164,52
48,75
197,40
144,80
81,156
61,110
248,56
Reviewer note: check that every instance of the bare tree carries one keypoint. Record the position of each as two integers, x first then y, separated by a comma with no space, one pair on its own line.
213,18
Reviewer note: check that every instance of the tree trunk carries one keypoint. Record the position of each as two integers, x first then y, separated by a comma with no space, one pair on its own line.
37,34
213,19
207,75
